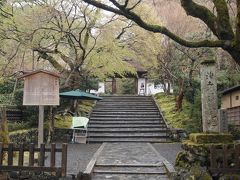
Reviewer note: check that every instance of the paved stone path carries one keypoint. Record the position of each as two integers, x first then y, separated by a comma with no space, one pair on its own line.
168,150
79,155
132,161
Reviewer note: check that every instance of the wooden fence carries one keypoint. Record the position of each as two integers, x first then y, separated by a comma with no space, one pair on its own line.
225,159
9,152
233,116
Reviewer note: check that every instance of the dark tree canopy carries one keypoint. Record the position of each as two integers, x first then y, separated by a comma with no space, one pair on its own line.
227,33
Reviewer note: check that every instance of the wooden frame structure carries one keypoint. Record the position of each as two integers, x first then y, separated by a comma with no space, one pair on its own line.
225,159
32,166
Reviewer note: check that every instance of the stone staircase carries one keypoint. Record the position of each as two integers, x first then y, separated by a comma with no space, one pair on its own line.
127,119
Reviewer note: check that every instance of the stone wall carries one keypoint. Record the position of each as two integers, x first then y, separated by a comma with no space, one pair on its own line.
194,160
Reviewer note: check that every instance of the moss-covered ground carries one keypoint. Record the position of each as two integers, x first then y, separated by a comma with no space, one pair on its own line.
177,119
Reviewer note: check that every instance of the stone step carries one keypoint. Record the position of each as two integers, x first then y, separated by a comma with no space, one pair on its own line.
130,169
124,119
127,119
127,122
133,103
126,135
126,102
142,107
112,130
125,113
108,176
132,139
126,126
124,110
124,116
126,97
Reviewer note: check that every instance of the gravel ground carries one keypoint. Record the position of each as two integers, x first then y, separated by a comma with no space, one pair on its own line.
79,155
168,150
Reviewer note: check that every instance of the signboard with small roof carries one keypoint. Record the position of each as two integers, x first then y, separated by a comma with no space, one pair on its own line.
41,88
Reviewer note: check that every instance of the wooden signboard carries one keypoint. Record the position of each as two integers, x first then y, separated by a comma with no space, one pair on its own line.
41,88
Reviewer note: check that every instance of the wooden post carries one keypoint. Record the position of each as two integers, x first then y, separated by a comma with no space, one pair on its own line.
41,155
31,154
53,155
21,155
64,159
40,125
10,154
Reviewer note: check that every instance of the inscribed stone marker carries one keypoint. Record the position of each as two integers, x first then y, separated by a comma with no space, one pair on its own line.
209,97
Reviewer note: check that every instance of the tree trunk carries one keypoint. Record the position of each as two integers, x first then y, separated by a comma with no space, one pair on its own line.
168,88
4,136
179,98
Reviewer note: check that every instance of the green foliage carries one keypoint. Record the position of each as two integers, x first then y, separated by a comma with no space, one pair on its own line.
6,92
5,99
196,172
226,79
107,59
204,138
6,86
63,121
235,131
230,177
196,109
177,119
89,83
18,126
128,86
85,107
125,86
191,92
30,113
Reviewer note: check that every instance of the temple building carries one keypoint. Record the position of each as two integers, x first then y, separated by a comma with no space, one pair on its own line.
138,83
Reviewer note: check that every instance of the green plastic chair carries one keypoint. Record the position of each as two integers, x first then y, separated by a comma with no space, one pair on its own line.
79,124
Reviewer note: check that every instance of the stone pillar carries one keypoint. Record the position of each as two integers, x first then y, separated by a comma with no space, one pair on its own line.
209,97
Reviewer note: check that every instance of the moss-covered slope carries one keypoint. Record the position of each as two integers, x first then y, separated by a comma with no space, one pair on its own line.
177,119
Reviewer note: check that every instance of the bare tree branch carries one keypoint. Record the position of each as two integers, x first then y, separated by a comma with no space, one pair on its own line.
157,28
